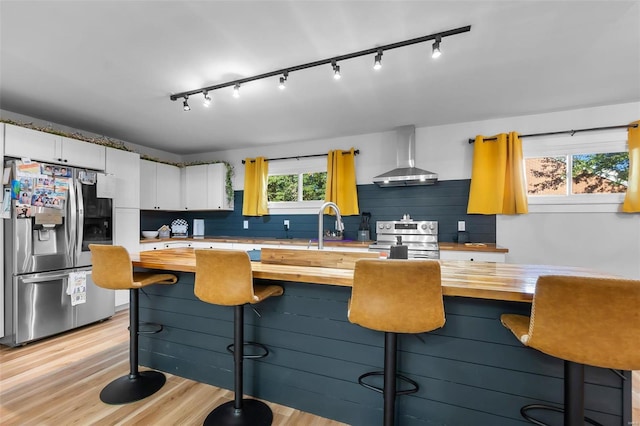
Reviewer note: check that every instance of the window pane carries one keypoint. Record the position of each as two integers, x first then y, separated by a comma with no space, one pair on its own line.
546,175
600,173
313,186
282,188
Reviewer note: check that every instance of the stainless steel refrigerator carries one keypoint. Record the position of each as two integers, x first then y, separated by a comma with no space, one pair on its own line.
54,214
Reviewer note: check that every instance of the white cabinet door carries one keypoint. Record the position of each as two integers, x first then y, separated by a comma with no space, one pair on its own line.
216,187
204,187
148,185
82,154
211,245
160,186
27,143
125,166
151,246
478,256
168,187
195,187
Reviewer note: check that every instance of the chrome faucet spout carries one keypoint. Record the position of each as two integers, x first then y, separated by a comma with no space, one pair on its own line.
339,224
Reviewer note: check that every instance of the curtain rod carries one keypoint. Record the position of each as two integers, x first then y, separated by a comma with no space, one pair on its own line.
297,157
572,132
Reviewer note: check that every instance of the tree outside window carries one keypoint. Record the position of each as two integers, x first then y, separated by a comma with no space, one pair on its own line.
603,173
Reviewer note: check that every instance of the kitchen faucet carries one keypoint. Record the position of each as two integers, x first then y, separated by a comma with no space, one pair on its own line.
339,224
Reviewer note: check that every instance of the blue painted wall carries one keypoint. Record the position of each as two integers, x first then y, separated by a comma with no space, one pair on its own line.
445,202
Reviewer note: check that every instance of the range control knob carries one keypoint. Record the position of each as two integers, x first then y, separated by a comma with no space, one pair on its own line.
432,226
381,225
388,226
424,226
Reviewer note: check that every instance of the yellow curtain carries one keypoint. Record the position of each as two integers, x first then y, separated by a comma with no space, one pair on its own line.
254,202
497,176
341,181
632,198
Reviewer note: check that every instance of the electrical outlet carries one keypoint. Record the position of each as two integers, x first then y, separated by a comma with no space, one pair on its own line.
286,223
245,224
461,225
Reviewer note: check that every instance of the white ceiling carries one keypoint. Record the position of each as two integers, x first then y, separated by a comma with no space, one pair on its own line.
109,67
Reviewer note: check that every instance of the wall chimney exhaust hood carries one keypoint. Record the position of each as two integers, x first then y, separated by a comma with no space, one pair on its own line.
405,174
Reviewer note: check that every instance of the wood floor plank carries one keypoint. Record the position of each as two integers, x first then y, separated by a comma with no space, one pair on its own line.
57,381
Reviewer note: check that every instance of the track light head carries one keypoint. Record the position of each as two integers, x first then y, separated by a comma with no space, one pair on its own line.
377,63
435,50
336,70
207,99
185,104
283,80
236,90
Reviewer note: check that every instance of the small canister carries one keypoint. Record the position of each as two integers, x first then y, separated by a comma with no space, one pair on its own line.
399,251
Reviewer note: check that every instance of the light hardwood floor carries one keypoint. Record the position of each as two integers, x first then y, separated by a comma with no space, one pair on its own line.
57,382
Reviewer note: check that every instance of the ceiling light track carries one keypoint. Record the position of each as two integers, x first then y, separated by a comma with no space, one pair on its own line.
329,61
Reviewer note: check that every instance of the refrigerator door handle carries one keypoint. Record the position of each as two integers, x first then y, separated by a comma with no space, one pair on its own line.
80,232
72,220
47,276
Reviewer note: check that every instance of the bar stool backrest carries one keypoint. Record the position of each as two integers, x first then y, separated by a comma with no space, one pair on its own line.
399,296
223,277
592,321
112,267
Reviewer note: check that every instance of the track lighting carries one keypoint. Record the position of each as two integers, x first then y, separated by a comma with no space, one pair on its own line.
284,72
185,104
283,80
435,50
336,70
207,100
377,63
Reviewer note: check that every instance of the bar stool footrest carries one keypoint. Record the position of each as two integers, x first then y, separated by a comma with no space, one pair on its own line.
156,328
131,388
254,344
252,413
524,412
413,389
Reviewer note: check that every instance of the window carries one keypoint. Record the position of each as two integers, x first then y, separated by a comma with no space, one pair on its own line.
296,186
581,170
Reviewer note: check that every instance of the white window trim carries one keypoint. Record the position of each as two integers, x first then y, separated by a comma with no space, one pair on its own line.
291,167
585,143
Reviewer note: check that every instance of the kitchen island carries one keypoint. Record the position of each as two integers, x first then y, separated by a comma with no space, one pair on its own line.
471,372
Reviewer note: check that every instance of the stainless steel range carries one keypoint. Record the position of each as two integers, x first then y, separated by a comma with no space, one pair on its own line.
421,237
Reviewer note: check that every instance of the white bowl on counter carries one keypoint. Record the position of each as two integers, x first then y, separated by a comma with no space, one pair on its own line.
150,234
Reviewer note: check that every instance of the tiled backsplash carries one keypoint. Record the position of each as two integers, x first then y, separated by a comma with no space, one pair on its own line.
445,202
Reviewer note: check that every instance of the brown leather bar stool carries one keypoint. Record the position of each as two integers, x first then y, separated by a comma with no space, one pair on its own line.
395,296
224,277
583,321
112,269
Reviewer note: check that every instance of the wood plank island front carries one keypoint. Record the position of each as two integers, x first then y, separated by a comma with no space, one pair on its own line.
471,372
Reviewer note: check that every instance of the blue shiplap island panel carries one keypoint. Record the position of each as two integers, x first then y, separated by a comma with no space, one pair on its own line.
471,372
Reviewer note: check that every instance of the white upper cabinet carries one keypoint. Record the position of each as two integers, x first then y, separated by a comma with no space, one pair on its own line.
125,166
205,187
41,146
83,154
160,186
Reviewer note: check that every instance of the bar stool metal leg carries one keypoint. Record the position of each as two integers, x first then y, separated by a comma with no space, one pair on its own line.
240,412
389,386
136,385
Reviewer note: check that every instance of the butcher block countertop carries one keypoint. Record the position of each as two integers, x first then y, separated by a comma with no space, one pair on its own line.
483,247
480,280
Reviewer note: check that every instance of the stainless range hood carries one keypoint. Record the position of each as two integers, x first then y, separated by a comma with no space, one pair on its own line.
405,174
